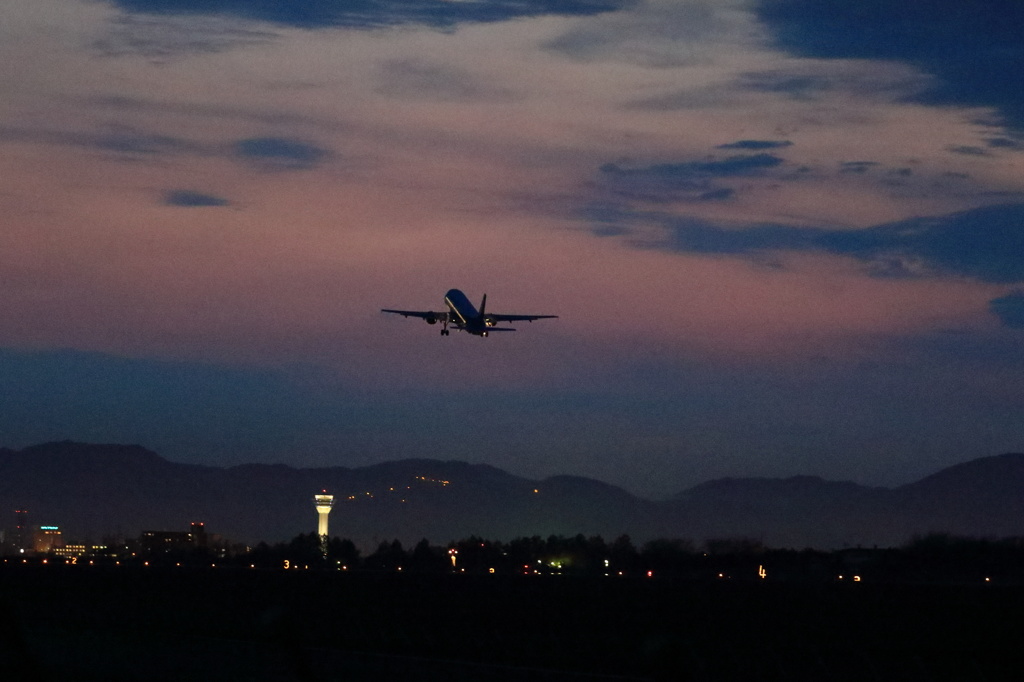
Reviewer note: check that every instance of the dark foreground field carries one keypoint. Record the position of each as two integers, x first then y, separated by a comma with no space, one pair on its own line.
92,623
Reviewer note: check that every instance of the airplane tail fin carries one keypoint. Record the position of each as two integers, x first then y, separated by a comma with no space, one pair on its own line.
483,306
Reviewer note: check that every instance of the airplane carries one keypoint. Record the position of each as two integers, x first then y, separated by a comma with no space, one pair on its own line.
462,315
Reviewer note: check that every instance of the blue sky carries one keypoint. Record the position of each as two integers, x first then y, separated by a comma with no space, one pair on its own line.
782,236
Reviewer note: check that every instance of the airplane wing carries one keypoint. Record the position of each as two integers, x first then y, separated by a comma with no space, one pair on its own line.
517,318
423,314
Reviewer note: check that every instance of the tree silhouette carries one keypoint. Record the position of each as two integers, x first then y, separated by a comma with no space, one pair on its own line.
389,556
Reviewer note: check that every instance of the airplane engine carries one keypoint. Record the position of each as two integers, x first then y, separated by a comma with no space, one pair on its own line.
431,319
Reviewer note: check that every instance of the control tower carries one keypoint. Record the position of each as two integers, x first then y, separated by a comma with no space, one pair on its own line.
323,508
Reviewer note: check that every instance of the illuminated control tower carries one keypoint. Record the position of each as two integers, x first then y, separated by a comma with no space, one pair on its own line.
323,508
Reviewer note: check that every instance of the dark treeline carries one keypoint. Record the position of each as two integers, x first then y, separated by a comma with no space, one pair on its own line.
931,558
936,558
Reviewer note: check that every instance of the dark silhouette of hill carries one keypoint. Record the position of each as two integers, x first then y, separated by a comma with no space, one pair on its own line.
985,493
96,490
801,511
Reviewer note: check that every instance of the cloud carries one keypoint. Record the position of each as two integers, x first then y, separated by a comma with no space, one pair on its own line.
810,80
985,244
975,49
128,141
856,167
689,99
1005,143
280,153
687,180
121,140
795,86
745,164
968,150
161,38
189,198
424,80
129,144
719,194
659,33
756,144
1009,309
314,14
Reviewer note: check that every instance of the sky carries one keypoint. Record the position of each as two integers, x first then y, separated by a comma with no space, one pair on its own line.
782,237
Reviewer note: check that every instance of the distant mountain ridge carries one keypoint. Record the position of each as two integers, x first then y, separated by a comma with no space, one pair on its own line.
92,490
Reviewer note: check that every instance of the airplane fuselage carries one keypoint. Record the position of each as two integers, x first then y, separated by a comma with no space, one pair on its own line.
459,306
464,314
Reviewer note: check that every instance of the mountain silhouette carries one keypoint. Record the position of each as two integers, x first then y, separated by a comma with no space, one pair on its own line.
92,491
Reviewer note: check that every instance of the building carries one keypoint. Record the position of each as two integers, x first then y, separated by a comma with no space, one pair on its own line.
198,533
47,540
21,539
323,503
165,541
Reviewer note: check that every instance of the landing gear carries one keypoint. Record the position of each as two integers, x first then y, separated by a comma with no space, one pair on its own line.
444,332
